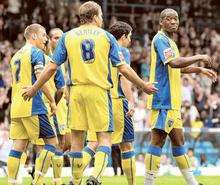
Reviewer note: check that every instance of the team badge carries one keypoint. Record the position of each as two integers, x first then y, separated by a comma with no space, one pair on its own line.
170,122
168,53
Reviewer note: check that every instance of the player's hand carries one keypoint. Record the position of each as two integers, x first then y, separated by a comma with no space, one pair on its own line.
53,108
209,73
149,87
28,92
131,110
207,60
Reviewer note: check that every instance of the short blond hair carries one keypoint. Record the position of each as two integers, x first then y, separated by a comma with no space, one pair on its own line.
87,11
54,30
33,28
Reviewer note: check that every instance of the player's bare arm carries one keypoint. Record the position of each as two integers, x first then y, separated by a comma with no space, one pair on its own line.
59,94
130,74
47,93
126,87
200,70
182,62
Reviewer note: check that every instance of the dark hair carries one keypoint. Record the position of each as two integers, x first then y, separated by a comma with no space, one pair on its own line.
119,29
87,11
167,11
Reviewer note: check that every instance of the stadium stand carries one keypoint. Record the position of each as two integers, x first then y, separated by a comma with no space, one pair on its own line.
199,33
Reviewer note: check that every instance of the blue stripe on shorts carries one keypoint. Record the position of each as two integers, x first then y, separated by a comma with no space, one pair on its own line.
128,134
161,119
46,129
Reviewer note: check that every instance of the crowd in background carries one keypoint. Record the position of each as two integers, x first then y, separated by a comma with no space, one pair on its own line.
201,98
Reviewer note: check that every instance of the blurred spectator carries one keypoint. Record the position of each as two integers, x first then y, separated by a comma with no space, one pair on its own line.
189,113
193,160
203,160
187,90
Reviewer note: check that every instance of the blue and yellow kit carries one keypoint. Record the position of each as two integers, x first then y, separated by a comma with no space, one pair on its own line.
54,83
29,119
124,130
166,103
88,49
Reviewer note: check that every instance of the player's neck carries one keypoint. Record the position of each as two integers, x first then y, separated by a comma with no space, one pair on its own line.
30,42
90,24
170,35
120,43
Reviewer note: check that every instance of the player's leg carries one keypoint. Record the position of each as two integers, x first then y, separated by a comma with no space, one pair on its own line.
102,155
57,160
76,156
77,122
20,140
124,128
128,161
40,126
14,160
57,163
179,153
153,156
89,151
38,146
158,137
100,120
22,165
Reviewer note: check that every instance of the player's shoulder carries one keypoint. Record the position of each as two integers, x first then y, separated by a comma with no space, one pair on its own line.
26,49
125,50
110,37
126,53
36,51
160,37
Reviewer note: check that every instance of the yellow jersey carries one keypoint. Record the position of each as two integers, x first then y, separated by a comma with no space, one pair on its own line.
163,50
24,64
90,51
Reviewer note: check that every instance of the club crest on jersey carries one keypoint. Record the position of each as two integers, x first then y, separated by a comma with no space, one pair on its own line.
170,122
168,53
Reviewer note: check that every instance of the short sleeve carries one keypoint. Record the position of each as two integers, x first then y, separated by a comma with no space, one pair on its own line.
127,56
37,59
115,54
164,50
59,79
60,52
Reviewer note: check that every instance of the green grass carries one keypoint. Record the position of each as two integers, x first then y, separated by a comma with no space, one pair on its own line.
165,180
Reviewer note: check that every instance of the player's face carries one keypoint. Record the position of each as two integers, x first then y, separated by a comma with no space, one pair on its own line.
128,40
54,38
170,22
41,39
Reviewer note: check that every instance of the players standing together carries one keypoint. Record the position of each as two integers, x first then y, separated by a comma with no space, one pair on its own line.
100,101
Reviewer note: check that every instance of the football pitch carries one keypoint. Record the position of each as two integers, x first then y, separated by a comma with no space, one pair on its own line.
165,180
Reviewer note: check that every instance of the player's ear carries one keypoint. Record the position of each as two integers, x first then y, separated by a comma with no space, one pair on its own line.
34,36
123,36
95,18
161,21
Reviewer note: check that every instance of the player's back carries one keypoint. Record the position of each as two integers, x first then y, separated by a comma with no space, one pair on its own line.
22,68
88,50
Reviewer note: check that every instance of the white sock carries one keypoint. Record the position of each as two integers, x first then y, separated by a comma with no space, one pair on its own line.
150,177
189,177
